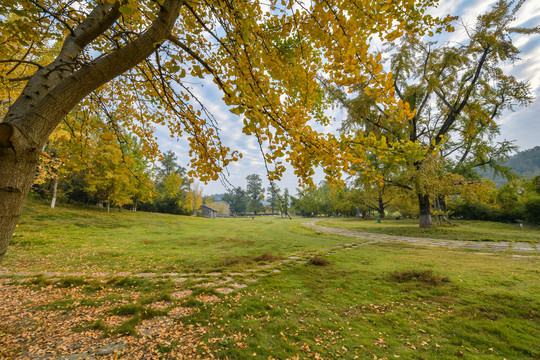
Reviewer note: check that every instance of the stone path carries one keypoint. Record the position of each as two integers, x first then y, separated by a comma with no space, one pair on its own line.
222,282
474,245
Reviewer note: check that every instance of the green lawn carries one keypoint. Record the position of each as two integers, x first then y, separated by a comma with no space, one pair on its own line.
381,301
462,229
485,307
93,241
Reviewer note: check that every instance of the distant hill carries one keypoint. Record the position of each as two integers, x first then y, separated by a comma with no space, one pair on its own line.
525,163
217,197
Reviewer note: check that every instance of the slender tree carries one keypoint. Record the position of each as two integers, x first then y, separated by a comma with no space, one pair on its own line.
273,196
255,193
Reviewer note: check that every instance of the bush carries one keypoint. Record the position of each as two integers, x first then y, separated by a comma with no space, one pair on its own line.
474,211
319,261
532,211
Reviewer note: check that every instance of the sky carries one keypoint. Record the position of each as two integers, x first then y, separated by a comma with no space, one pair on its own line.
522,125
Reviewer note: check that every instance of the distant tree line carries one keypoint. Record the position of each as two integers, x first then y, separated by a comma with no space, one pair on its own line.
251,199
474,199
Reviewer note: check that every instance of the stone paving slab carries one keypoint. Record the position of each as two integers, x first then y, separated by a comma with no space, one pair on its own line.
523,246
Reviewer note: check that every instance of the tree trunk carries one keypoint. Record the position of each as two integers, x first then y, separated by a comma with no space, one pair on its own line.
134,206
442,204
18,163
425,210
381,207
108,206
437,208
55,189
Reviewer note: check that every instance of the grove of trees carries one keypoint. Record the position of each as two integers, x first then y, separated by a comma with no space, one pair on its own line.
478,199
252,199
88,164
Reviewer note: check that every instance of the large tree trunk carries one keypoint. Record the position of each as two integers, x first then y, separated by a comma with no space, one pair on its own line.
380,208
18,165
425,210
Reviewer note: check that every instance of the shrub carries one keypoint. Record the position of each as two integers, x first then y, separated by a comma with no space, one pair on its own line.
425,277
532,211
475,211
319,261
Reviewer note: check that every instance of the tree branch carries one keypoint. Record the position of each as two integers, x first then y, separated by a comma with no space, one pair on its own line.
193,54
455,112
21,62
39,117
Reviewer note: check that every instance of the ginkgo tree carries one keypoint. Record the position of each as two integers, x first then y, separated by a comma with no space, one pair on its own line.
265,58
456,92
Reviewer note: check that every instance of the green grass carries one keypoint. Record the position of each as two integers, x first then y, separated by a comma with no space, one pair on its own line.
385,300
463,229
460,304
90,240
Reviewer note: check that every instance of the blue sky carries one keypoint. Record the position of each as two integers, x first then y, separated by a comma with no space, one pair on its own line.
522,125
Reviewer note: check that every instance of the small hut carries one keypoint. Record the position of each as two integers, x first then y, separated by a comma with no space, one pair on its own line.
208,212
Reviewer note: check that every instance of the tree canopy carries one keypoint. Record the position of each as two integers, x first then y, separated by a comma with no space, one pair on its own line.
136,61
456,92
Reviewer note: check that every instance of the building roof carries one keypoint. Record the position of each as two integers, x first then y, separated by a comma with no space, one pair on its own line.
208,207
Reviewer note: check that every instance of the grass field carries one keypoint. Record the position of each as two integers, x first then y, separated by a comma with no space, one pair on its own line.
108,291
463,229
94,241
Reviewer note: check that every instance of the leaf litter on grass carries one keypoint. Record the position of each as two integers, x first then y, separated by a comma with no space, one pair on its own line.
32,328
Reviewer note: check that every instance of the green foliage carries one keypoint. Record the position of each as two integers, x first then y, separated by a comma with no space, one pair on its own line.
255,193
532,211
326,200
237,199
273,197
512,202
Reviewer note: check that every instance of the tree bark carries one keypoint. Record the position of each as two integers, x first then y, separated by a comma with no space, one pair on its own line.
55,190
425,210
442,204
54,90
380,208
18,162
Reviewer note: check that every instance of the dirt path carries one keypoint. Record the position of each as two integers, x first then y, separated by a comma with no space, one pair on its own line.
474,245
